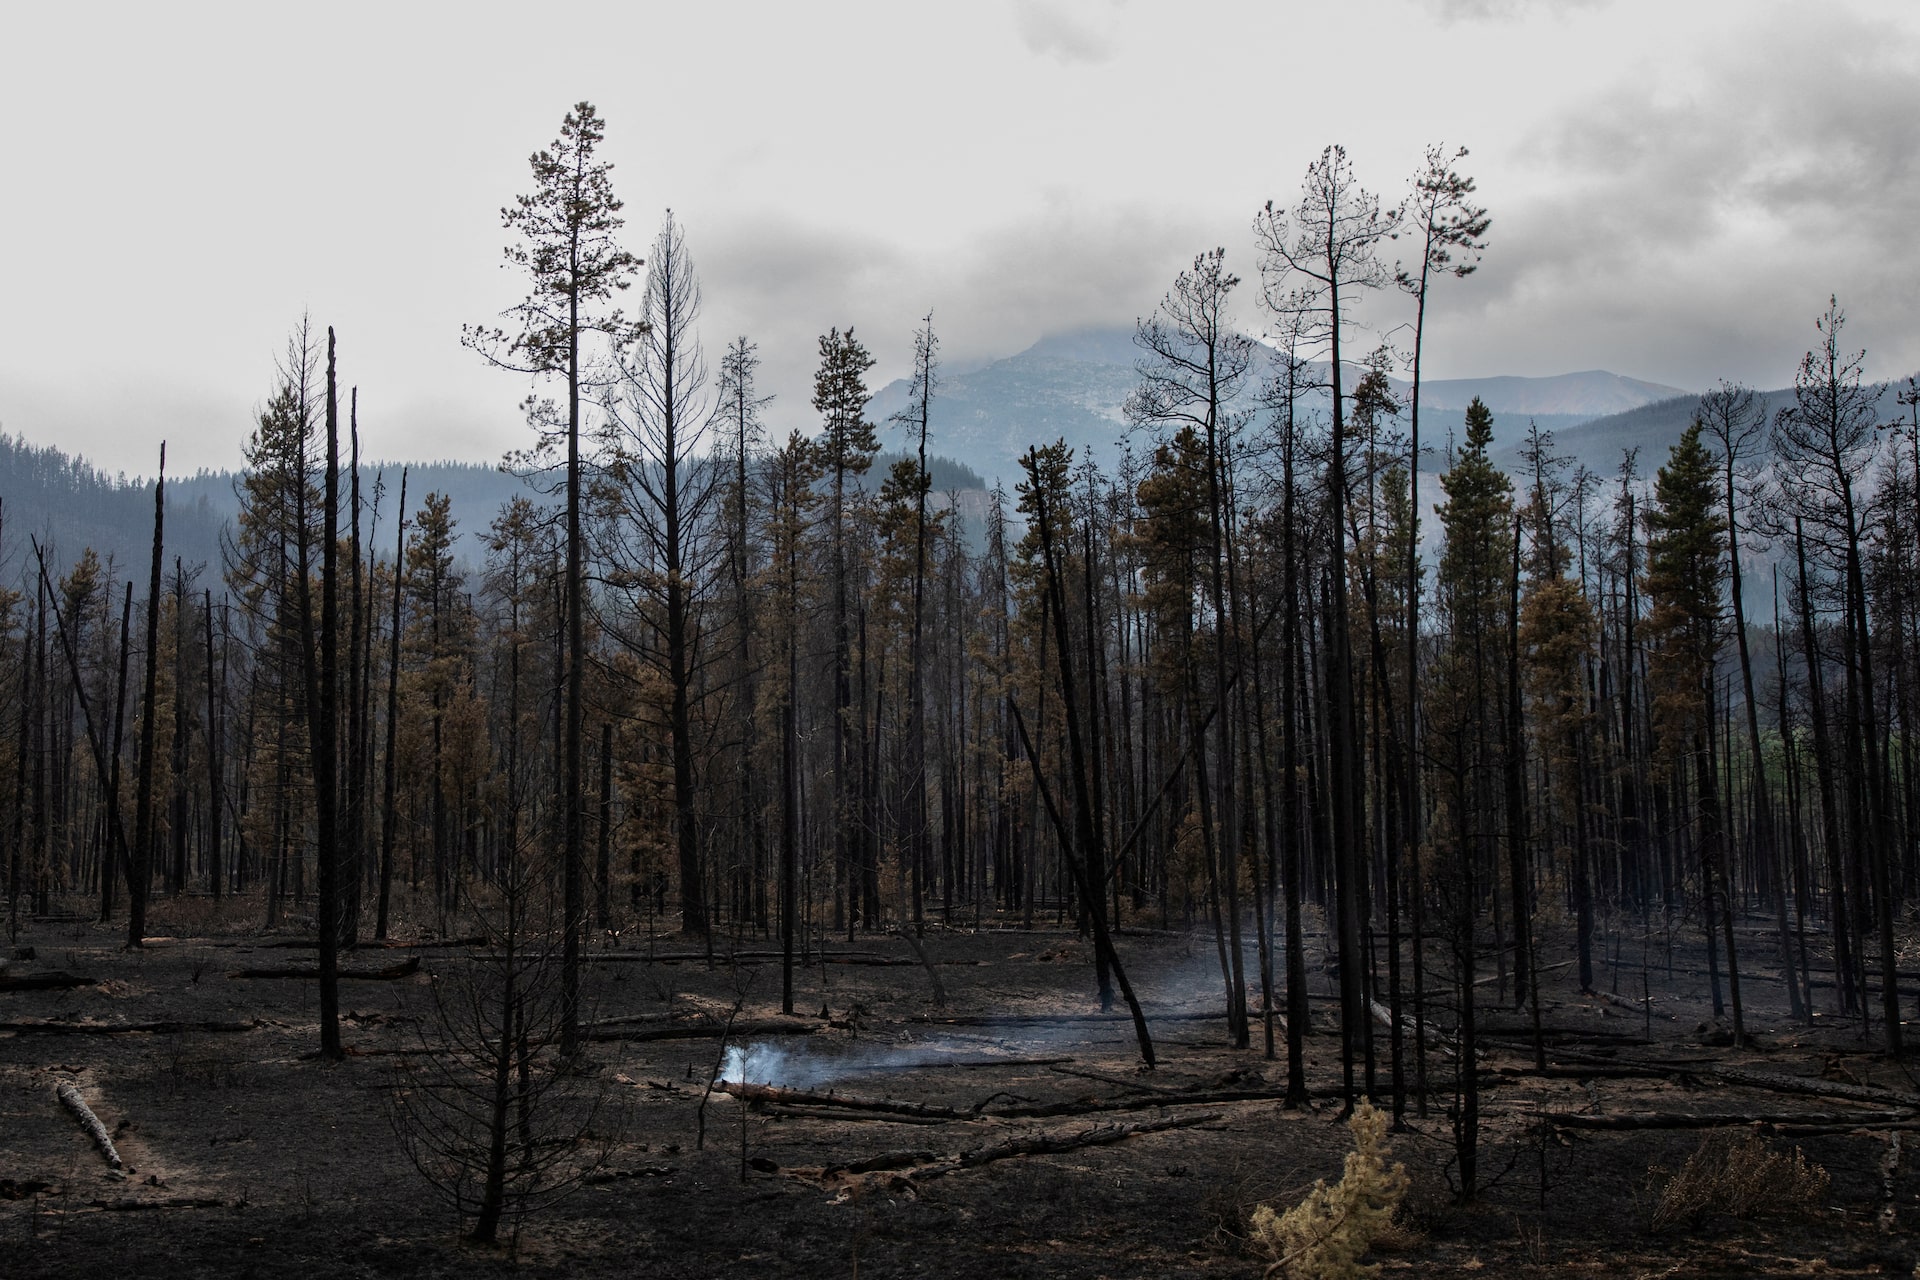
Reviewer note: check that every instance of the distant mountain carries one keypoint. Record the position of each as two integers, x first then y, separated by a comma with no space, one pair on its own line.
1072,386
1064,388
1653,429
1586,395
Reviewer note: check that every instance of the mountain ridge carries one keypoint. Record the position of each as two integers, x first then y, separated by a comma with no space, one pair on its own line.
1074,385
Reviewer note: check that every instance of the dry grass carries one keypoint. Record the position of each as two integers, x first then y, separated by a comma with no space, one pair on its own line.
1742,1176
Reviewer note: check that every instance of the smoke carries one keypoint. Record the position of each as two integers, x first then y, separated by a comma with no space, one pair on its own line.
823,1063
763,1064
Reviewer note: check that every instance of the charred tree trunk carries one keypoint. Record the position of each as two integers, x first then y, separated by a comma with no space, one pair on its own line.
216,762
140,863
387,816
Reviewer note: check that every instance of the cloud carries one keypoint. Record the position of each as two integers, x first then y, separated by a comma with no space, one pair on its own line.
1451,11
1068,31
1067,264
1695,227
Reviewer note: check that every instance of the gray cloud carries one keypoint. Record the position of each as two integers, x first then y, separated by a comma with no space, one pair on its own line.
1069,264
1502,10
1695,228
1068,31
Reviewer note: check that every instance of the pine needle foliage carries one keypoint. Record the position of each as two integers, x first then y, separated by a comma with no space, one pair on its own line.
1325,1236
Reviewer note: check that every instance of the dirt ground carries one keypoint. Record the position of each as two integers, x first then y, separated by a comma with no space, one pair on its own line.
246,1155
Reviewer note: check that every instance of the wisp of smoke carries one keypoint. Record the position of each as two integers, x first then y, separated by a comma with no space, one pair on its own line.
763,1063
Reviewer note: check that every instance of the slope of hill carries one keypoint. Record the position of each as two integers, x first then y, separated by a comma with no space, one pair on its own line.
68,505
1584,395
1653,428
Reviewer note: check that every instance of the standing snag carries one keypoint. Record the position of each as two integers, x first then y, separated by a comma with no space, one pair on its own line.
494,1112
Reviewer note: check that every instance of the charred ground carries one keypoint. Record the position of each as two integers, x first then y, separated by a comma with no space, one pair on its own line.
245,1154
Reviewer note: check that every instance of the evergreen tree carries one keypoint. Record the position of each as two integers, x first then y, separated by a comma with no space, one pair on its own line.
1463,730
575,267
846,447
1685,542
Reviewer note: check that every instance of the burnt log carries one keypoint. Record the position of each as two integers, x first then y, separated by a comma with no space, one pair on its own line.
1721,1119
70,1098
405,969
51,980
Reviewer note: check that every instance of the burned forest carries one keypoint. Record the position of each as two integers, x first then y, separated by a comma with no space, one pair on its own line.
1291,839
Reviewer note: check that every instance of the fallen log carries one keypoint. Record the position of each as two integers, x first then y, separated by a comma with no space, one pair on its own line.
704,1030
1562,1034
1578,1071
918,1165
405,969
1093,1106
70,1098
1410,1026
1779,1082
51,980
1639,1007
1048,1020
52,1027
1545,968
1741,1077
601,1177
851,1102
1124,1083
841,1115
741,957
129,1203
368,944
1832,1130
1719,1119
963,1064
1054,1143
886,1160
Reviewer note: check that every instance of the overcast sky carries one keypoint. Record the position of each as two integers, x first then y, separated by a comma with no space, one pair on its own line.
1676,187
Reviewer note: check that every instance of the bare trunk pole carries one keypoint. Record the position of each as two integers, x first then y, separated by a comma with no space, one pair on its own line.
573,826
353,860
140,863
114,863
215,762
393,717
322,722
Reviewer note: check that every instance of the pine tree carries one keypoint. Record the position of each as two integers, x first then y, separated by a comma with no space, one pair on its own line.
575,267
1462,729
1685,542
846,447
656,430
